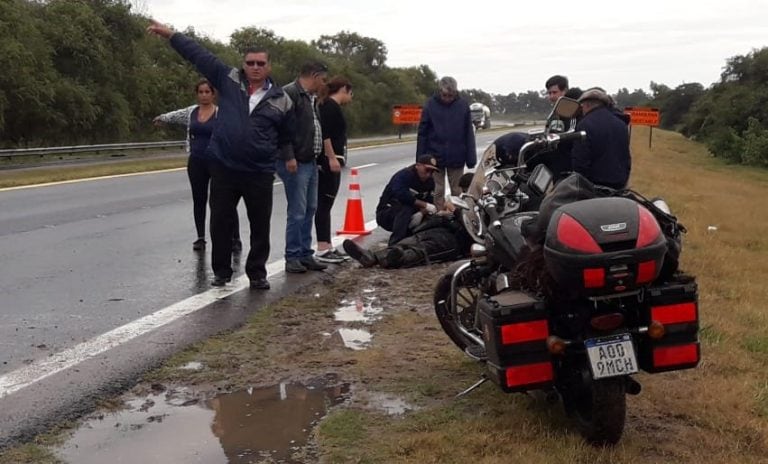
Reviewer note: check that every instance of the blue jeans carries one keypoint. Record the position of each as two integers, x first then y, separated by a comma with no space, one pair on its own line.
301,195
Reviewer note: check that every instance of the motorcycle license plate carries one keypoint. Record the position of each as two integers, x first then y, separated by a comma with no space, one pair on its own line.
611,356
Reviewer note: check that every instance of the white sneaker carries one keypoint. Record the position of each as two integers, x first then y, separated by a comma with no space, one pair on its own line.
329,256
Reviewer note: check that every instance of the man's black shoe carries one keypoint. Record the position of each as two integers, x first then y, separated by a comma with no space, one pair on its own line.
260,284
219,281
199,244
294,266
237,245
310,263
359,254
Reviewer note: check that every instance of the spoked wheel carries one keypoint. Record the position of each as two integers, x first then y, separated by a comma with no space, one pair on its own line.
600,410
467,297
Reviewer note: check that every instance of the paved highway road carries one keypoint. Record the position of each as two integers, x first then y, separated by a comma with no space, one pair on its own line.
99,282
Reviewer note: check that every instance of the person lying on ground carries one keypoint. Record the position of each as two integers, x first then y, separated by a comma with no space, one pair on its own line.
441,237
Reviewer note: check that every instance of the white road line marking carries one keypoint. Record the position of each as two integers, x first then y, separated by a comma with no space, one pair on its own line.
88,179
366,166
24,377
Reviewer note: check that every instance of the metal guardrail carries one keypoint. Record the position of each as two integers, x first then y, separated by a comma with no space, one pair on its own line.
42,151
11,153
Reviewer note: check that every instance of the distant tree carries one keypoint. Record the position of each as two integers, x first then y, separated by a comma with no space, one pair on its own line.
624,98
366,51
477,95
675,103
250,37
423,78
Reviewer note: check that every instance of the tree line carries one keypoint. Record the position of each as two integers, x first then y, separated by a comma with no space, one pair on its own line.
85,71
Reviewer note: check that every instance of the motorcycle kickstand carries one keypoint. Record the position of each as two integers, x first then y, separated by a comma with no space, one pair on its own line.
473,387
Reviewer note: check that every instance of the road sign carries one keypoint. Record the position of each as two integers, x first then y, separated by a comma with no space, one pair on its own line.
643,116
406,114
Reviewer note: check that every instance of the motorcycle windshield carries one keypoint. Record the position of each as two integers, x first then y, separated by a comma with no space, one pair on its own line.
487,162
470,218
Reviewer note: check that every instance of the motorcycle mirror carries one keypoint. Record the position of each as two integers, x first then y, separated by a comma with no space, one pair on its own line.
540,179
566,108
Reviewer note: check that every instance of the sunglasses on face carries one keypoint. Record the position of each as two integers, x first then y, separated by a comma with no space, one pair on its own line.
258,63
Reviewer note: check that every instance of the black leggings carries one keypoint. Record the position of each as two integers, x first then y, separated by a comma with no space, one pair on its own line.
327,187
199,173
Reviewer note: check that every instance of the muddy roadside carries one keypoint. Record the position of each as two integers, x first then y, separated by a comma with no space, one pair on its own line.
356,369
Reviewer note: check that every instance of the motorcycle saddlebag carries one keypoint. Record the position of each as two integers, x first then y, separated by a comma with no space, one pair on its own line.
515,330
674,304
602,246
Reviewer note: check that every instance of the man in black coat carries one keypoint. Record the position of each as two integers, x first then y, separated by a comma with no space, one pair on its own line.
603,157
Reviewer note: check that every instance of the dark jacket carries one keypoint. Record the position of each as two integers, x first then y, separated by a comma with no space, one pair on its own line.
242,141
303,140
405,188
446,132
603,157
439,238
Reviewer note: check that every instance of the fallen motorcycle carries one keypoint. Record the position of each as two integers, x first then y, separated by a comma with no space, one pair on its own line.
572,298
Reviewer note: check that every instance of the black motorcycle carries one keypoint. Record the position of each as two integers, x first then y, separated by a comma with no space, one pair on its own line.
570,290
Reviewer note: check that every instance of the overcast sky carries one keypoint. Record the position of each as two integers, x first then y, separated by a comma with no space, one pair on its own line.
511,46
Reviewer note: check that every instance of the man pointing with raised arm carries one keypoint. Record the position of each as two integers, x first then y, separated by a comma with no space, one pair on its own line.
254,130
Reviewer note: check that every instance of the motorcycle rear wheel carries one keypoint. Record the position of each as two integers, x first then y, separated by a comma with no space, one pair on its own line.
467,299
600,411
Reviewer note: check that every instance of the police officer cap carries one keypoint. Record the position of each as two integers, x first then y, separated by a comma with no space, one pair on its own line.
428,160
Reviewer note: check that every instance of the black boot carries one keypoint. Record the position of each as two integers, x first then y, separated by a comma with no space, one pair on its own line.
359,254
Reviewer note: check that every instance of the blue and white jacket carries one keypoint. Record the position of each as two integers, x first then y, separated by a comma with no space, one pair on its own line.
244,140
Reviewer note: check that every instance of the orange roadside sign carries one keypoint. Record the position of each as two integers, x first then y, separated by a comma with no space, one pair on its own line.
643,116
406,114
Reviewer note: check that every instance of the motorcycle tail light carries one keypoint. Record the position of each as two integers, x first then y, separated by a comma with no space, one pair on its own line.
679,313
522,332
648,230
646,272
607,322
594,277
676,355
573,235
527,374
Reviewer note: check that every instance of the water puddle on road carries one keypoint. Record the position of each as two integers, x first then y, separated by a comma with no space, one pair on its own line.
248,426
390,404
358,310
356,339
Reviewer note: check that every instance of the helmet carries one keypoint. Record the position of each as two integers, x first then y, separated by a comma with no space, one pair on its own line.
508,147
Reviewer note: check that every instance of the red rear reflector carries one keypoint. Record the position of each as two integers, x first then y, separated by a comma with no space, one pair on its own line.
524,332
646,272
573,235
529,374
594,278
648,229
676,355
607,321
675,313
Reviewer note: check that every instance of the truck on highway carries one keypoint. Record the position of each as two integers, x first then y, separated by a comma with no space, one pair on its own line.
481,115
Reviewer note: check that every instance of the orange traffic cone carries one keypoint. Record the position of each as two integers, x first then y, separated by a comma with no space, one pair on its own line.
354,221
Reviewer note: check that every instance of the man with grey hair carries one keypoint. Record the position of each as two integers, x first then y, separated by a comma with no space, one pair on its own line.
446,132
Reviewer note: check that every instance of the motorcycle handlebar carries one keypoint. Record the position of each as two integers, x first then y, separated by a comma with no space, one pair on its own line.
552,139
493,215
580,135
